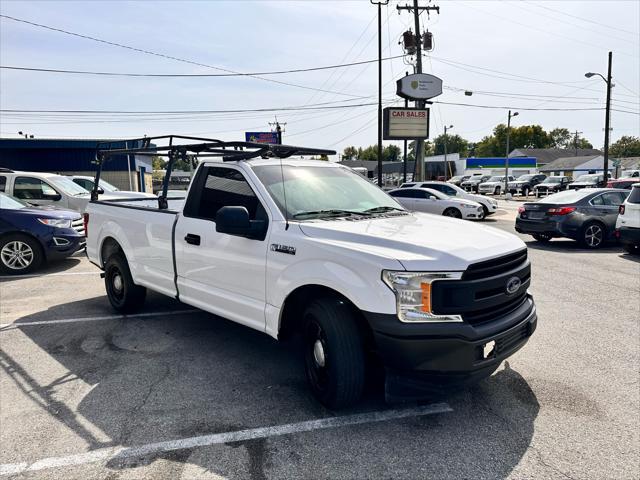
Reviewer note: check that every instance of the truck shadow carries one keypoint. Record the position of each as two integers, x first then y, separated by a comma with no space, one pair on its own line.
169,377
571,246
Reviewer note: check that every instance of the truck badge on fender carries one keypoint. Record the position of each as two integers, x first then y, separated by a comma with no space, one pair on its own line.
276,247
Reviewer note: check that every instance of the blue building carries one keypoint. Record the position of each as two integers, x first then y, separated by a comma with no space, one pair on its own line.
77,157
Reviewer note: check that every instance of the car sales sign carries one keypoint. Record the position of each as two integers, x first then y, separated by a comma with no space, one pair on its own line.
405,123
419,86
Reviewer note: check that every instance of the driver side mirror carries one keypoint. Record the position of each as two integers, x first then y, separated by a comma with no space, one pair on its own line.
431,197
235,221
100,190
51,196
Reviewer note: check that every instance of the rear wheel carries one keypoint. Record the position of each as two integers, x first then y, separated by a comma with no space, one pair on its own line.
485,211
593,235
124,295
542,237
525,191
452,212
333,353
496,191
20,254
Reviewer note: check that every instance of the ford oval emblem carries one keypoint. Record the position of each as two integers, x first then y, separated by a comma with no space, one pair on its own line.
513,285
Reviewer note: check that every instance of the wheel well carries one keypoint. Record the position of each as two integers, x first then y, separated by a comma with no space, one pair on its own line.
596,222
26,234
109,247
295,303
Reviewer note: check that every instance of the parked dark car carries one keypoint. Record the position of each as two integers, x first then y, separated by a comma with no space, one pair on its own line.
592,180
551,185
458,179
588,216
30,236
524,184
472,183
624,183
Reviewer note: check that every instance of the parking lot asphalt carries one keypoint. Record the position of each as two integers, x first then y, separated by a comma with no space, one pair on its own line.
178,393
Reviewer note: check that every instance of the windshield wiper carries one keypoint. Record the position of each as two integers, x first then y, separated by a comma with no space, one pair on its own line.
330,212
384,209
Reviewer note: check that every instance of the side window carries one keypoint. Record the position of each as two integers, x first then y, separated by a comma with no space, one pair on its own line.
420,194
612,199
402,193
3,183
437,186
448,190
597,200
226,187
86,184
29,188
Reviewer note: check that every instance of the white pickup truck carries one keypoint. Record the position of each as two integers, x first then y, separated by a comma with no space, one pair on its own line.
311,250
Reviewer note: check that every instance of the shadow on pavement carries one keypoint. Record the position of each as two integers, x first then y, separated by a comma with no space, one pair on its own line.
168,377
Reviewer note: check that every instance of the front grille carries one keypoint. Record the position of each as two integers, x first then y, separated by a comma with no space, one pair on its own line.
78,226
507,342
477,317
496,266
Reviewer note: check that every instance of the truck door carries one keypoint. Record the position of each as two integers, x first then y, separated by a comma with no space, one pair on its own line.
223,274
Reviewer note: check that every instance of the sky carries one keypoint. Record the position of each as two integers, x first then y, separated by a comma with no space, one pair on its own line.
510,54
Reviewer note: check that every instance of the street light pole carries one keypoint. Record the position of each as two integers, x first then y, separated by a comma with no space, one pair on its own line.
379,3
506,160
445,149
607,115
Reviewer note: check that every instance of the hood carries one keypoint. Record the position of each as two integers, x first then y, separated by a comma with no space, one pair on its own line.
474,180
49,211
420,242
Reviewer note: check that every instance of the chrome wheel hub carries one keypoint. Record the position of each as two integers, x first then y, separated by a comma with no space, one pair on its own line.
593,235
117,282
318,353
16,255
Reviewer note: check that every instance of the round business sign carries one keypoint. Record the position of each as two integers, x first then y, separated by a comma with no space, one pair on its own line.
419,86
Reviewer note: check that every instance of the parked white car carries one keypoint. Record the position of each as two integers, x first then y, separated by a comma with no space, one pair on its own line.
489,205
431,201
494,185
39,188
628,221
87,183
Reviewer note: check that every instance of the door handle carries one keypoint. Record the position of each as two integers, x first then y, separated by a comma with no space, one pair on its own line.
192,239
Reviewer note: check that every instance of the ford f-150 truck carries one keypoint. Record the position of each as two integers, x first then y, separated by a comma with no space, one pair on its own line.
311,250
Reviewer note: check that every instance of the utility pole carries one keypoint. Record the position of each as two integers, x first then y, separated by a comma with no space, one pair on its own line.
607,117
419,150
506,159
446,139
404,158
575,140
379,3
279,129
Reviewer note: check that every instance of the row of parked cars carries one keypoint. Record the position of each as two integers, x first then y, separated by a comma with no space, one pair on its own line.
540,184
41,216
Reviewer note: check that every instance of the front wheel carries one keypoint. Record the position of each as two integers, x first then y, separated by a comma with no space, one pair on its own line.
19,254
333,353
452,212
593,235
496,191
124,295
525,191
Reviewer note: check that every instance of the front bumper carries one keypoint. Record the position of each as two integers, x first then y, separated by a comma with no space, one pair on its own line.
426,358
63,243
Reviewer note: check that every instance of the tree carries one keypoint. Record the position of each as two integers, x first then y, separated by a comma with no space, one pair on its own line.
158,163
350,153
560,138
391,153
525,136
627,146
455,144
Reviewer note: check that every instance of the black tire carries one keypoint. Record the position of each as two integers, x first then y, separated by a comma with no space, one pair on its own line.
124,295
20,254
497,191
593,235
333,353
452,212
485,212
525,191
542,237
632,249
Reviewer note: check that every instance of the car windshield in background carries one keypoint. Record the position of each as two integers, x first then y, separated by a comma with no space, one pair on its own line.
587,178
67,185
314,192
553,180
569,196
107,187
627,174
525,177
496,179
8,202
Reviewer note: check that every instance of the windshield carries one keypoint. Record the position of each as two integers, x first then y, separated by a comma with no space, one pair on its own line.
496,179
587,178
107,187
313,192
525,177
568,196
11,203
67,185
456,178
553,180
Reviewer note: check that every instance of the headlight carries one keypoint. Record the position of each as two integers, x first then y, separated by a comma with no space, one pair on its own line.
464,205
56,222
413,294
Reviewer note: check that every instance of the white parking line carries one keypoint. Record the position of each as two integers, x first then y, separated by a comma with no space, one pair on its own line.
119,453
97,319
36,275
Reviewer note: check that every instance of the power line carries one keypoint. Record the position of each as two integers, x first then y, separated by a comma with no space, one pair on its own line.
169,57
196,75
503,107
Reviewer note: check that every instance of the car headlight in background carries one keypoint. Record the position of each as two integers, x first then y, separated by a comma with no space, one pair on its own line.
56,222
464,205
413,294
